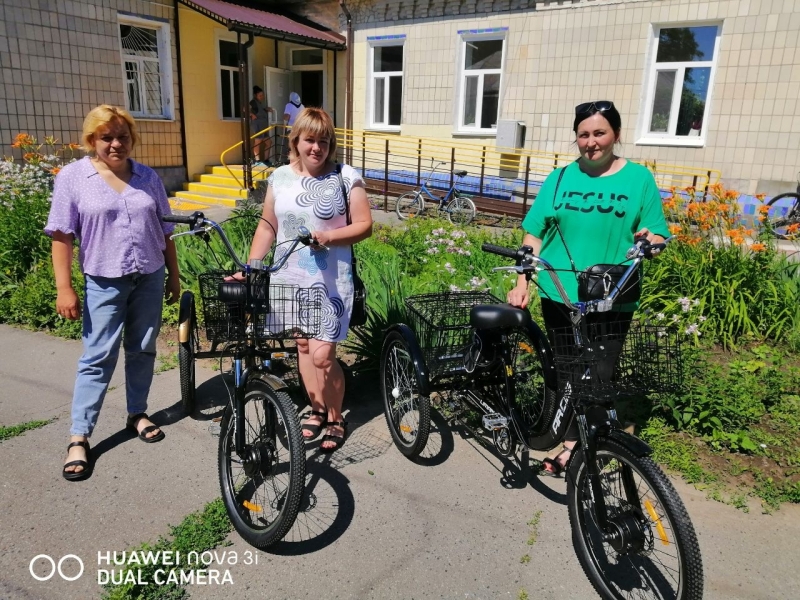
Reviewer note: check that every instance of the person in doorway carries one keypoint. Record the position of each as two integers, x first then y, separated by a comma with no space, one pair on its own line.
114,206
293,108
570,204
260,120
309,192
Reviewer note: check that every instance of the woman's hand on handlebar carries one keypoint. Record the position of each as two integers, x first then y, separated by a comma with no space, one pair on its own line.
519,296
651,237
238,276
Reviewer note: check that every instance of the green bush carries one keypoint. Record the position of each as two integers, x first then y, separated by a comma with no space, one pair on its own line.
22,239
33,302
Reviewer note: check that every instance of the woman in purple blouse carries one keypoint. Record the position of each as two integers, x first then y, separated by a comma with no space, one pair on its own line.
113,206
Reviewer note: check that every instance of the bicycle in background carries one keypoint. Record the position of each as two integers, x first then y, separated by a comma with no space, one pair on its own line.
459,207
783,215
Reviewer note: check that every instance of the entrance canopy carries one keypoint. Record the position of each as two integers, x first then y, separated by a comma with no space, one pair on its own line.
265,24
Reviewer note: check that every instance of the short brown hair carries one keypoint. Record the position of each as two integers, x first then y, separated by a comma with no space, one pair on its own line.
103,115
318,123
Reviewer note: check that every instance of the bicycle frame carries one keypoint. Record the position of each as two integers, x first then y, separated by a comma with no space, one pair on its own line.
594,420
244,366
441,202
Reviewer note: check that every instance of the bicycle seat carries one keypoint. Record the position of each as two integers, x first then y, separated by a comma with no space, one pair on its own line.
496,316
460,173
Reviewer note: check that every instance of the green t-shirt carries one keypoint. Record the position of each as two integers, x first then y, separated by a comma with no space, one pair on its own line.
597,216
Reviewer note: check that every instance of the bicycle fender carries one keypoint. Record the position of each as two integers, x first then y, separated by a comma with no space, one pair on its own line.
631,443
420,367
185,317
544,347
276,383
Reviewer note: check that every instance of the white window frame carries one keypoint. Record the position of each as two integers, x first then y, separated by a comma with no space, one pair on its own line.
463,73
290,49
163,34
645,136
372,76
224,36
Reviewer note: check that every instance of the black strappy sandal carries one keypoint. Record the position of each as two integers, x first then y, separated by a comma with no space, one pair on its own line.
551,467
86,464
315,428
133,421
338,440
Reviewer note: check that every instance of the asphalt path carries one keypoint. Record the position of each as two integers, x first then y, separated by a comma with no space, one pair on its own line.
373,524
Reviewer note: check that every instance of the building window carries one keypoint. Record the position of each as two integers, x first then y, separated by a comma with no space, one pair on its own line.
307,57
679,85
146,67
386,85
230,98
479,91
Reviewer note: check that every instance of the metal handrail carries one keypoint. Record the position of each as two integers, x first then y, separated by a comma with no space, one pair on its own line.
239,144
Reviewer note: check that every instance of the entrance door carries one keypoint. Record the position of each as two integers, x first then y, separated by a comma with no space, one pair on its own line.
277,85
311,88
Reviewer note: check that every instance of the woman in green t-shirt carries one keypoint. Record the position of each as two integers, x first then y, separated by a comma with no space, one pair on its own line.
586,214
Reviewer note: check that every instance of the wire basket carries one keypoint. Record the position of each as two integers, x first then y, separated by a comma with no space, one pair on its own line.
283,312
441,323
620,358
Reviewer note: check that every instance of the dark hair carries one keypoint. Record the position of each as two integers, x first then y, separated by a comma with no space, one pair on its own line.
256,89
610,113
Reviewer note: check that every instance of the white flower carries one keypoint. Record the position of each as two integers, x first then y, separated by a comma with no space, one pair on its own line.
433,251
660,317
454,288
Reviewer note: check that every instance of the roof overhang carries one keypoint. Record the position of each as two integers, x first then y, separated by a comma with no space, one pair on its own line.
265,24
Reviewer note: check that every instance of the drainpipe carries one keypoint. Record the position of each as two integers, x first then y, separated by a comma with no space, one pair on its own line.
181,114
348,85
244,97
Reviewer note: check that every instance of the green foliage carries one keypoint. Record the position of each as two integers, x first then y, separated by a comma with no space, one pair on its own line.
673,451
23,242
722,399
197,255
198,532
8,432
32,302
736,294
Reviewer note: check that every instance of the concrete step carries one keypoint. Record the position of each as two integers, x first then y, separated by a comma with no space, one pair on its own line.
207,199
238,171
183,205
215,190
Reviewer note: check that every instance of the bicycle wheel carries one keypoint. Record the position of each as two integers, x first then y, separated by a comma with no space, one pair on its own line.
783,216
263,487
409,205
186,354
534,402
461,210
656,554
408,413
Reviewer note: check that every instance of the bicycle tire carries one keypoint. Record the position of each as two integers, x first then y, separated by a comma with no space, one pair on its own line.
408,413
534,402
668,534
186,364
779,222
409,205
251,484
461,211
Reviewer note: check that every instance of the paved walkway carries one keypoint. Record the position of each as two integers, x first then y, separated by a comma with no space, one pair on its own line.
375,525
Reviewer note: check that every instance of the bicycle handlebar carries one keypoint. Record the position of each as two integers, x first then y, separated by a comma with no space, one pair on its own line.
199,224
527,262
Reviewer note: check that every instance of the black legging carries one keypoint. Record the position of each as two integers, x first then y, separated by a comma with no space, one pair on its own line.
556,317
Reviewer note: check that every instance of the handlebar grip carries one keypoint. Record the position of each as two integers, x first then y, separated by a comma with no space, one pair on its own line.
502,251
186,220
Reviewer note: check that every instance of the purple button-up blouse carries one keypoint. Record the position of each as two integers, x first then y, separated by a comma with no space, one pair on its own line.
119,234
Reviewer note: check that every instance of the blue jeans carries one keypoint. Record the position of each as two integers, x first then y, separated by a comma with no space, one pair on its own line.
131,304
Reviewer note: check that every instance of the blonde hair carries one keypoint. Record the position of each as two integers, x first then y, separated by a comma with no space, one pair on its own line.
319,124
103,115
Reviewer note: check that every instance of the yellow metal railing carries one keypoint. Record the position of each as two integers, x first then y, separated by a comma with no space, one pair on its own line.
390,152
261,133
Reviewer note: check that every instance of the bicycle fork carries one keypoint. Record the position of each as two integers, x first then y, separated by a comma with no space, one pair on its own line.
624,530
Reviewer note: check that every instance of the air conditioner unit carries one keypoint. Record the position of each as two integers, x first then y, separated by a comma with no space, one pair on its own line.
510,134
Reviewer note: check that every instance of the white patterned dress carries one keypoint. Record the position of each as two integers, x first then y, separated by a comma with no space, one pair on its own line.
318,204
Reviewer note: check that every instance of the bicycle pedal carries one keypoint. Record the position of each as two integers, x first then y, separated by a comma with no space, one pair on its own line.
494,421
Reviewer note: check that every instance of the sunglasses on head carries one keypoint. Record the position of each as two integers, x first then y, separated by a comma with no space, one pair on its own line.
597,106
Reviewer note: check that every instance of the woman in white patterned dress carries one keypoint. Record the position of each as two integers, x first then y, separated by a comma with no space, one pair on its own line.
308,192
